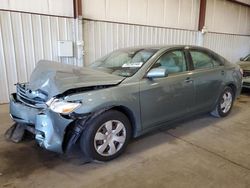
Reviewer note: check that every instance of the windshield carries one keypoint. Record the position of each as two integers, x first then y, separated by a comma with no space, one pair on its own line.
124,62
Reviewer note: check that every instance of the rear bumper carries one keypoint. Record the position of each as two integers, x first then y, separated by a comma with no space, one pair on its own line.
49,127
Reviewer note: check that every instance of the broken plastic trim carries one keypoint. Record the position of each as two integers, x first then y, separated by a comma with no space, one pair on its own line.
83,89
74,131
15,133
35,99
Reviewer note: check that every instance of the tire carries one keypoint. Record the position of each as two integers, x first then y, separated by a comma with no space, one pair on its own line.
106,136
224,104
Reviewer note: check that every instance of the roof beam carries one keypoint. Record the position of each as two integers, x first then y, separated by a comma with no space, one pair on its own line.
202,14
240,3
77,8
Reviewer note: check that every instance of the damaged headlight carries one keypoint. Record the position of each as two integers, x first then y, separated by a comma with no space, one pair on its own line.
62,107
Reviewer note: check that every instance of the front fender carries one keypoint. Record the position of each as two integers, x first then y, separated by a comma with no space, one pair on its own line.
126,95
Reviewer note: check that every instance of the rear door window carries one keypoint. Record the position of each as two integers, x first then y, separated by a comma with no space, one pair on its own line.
201,60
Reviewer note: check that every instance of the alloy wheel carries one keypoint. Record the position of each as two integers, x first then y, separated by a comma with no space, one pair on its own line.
226,102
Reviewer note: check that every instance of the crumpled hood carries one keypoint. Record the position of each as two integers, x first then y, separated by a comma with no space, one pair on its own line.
55,78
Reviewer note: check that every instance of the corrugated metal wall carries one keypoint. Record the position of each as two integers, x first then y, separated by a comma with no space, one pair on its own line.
24,40
101,37
232,47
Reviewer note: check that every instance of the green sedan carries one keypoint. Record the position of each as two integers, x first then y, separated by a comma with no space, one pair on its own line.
125,94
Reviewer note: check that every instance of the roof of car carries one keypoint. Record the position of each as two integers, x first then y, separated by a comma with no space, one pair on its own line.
158,47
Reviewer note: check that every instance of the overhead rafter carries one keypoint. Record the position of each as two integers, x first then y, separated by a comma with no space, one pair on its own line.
77,8
240,3
202,14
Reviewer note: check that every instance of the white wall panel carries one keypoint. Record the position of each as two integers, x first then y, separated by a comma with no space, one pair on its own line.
232,47
24,40
19,47
138,11
3,73
227,17
156,12
164,13
117,10
171,13
188,14
60,7
94,9
51,7
27,5
9,50
103,37
28,44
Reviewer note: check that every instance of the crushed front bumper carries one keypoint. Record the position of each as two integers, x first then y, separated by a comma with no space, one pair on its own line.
49,127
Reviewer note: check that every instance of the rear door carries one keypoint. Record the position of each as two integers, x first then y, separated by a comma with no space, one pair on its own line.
208,77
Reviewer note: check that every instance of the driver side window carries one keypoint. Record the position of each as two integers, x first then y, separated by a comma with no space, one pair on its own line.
173,61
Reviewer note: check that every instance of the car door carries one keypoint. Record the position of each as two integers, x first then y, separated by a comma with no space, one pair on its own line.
167,98
208,77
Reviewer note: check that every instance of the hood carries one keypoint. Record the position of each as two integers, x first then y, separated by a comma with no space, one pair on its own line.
245,65
55,78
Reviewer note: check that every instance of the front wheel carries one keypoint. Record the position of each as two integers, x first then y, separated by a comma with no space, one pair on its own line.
106,136
224,104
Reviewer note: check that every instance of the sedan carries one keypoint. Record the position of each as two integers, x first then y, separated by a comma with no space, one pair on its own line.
123,95
245,66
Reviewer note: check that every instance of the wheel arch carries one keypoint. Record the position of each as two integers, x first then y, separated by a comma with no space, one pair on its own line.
130,115
233,87
73,127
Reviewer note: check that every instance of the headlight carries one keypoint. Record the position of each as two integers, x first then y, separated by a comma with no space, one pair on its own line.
62,107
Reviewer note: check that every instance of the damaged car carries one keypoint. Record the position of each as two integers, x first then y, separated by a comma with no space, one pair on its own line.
121,96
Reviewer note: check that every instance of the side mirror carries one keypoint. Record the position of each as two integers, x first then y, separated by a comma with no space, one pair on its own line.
159,72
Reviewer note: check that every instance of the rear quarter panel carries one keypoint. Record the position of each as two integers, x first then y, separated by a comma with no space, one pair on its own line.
233,76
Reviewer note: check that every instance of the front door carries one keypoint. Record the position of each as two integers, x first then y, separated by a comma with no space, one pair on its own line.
164,99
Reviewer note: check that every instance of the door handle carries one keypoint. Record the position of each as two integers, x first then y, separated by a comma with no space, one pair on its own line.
188,80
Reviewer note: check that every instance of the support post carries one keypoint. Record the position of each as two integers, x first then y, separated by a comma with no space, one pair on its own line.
202,15
78,36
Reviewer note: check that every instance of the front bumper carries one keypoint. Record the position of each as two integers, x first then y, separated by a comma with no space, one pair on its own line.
49,127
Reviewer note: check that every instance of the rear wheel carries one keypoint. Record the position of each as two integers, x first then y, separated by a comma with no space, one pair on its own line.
106,137
224,104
